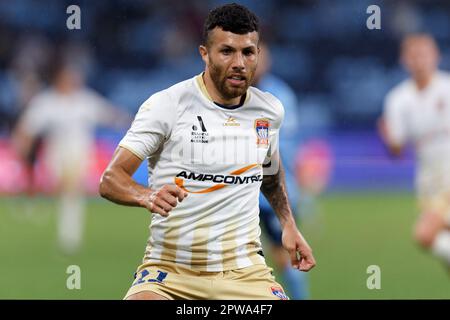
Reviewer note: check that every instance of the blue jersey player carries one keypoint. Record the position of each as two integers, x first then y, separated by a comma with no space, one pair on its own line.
295,282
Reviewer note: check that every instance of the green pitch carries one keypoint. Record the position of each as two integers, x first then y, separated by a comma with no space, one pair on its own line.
348,233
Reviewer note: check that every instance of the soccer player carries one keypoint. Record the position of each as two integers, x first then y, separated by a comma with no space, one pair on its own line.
206,140
295,282
64,116
418,111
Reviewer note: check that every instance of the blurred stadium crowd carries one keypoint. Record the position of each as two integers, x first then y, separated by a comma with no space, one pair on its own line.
127,50
338,68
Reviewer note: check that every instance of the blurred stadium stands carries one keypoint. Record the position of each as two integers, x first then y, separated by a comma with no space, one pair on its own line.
340,70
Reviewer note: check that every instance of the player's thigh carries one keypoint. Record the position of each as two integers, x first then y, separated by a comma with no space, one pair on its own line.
146,295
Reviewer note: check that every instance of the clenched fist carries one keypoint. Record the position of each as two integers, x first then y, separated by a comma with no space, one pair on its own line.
163,200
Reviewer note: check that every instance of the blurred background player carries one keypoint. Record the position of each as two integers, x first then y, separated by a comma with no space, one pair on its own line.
418,111
27,78
294,281
29,62
64,116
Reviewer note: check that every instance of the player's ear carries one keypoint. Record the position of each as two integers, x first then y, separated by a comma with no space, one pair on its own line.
204,53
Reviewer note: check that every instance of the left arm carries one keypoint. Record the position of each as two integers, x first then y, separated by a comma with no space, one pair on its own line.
274,189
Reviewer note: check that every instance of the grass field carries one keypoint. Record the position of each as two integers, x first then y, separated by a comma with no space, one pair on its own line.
349,233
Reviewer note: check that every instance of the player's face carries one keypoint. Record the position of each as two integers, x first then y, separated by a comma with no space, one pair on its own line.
68,79
420,57
231,61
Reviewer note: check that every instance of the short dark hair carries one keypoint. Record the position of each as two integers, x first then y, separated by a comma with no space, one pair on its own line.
231,17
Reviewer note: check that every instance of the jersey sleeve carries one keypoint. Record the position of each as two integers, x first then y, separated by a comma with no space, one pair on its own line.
35,119
394,115
151,127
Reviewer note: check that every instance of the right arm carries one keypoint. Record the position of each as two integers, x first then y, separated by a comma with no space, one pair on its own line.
118,186
394,148
392,125
150,128
33,122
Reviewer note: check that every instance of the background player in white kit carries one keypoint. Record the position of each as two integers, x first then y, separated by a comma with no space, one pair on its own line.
207,246
418,111
65,116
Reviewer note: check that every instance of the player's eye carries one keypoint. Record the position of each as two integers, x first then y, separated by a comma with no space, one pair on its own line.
248,52
226,51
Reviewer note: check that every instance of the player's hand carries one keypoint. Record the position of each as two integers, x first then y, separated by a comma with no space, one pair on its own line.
163,200
299,250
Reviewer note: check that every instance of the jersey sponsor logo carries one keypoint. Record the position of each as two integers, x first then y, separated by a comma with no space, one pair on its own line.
278,292
221,180
262,132
199,136
231,122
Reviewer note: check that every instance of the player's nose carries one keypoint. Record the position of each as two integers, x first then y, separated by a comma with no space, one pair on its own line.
238,62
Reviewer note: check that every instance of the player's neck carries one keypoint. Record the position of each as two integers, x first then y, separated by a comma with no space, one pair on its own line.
422,82
215,94
65,90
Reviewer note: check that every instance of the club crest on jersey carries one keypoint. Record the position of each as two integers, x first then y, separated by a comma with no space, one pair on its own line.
262,132
278,292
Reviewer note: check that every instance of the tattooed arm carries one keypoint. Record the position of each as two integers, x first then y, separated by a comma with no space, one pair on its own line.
274,189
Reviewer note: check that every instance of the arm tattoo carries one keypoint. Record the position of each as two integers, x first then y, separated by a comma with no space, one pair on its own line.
274,189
